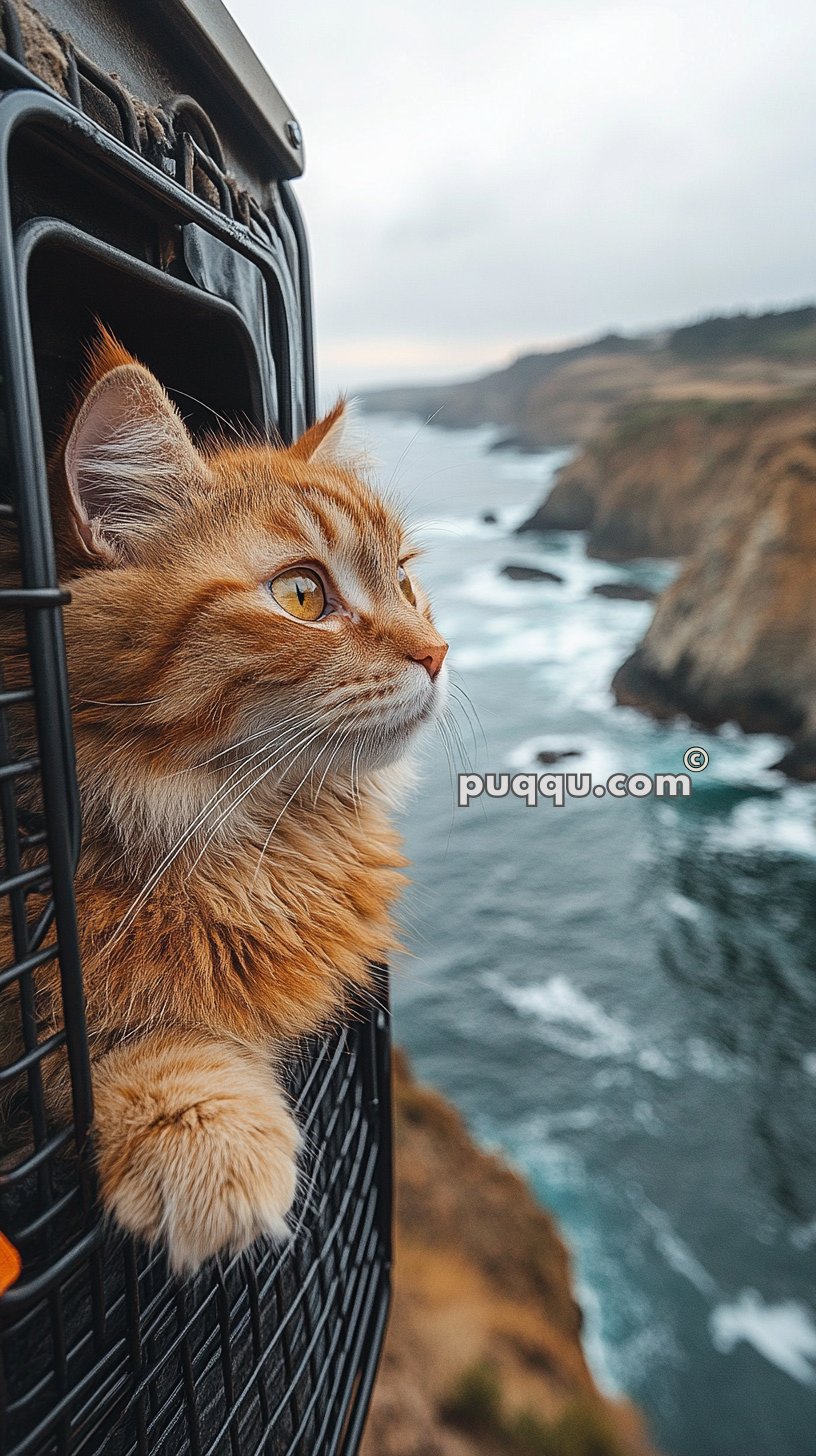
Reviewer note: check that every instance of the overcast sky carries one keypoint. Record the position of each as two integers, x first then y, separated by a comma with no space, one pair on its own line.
489,176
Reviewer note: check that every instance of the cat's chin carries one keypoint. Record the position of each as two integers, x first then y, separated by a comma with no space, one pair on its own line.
395,740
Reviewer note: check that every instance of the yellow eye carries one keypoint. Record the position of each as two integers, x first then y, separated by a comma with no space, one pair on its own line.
405,585
300,593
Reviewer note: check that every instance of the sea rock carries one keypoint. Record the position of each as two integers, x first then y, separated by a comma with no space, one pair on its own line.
490,518
734,637
555,755
482,1280
517,572
570,506
800,760
623,591
506,442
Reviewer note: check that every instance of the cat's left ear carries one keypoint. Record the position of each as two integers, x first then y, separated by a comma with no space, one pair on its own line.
331,441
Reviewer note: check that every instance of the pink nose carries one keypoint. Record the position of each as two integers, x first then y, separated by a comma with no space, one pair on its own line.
432,660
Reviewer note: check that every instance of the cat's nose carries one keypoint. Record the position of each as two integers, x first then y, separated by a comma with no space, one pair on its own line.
432,659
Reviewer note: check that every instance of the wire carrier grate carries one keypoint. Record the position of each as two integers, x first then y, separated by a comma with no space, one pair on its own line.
101,1351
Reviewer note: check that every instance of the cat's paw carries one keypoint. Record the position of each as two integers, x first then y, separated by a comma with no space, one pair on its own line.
196,1148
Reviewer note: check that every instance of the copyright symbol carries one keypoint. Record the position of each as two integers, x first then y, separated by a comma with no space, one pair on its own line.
695,760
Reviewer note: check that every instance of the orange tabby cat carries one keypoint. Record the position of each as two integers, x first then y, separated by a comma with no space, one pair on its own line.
247,658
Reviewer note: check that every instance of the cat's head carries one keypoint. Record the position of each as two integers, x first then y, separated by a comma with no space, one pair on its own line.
229,600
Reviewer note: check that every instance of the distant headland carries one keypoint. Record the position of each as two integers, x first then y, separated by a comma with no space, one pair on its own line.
698,442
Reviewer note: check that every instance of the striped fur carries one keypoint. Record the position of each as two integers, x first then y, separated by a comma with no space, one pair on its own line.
238,866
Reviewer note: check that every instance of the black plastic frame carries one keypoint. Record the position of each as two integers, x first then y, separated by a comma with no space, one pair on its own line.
100,1349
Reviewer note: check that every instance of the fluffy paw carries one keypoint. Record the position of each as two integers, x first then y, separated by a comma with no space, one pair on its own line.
196,1147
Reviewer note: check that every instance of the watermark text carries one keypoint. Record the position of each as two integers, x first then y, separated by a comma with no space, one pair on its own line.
556,788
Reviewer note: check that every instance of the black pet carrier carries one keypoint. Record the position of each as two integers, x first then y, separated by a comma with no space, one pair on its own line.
146,160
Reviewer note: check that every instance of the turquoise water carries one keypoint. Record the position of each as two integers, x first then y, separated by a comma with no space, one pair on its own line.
620,994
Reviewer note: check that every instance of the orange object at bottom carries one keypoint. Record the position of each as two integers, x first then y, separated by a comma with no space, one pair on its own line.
10,1263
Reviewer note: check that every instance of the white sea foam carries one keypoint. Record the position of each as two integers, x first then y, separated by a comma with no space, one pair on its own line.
784,1333
676,1253
524,756
486,582
644,1115
598,1354
804,1237
515,465
574,1119
683,908
549,625
573,1023
784,824
708,1061
743,758
510,517
651,1059
530,646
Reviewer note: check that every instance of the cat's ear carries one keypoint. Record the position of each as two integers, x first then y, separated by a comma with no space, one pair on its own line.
334,440
127,457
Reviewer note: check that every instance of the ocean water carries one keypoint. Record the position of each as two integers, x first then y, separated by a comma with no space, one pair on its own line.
619,994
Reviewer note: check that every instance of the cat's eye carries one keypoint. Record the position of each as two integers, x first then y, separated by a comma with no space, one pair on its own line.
405,585
300,593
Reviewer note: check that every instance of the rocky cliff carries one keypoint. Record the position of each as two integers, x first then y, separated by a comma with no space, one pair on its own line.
734,637
731,487
653,480
484,1349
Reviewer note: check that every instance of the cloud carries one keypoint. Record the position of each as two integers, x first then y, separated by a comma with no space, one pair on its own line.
481,178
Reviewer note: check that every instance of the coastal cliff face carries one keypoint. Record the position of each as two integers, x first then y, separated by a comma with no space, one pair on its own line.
484,1348
652,482
732,489
734,637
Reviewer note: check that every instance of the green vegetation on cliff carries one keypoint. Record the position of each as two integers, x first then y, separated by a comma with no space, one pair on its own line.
476,1407
780,332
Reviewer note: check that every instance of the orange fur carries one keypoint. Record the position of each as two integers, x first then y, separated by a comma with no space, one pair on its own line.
195,1144
106,353
205,949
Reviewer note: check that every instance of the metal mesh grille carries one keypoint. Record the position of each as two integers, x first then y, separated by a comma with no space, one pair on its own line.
272,1351
100,1350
